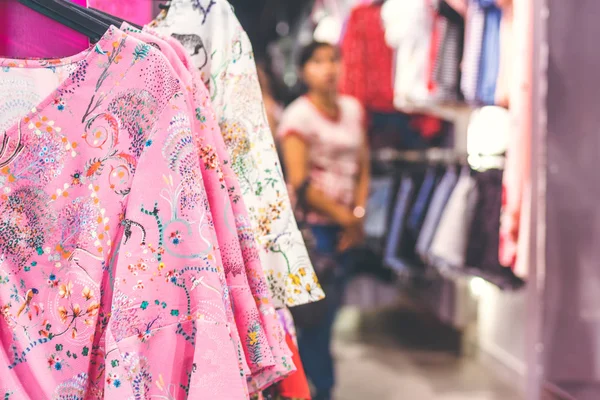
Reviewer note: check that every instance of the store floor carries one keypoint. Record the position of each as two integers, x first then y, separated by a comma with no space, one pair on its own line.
392,361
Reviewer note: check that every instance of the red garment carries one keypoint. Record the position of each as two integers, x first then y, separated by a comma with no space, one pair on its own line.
367,72
436,42
295,386
428,126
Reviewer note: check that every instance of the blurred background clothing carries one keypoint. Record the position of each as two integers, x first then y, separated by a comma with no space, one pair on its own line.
477,242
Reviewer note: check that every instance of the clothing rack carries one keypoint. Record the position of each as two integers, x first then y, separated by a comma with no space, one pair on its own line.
396,162
432,156
440,156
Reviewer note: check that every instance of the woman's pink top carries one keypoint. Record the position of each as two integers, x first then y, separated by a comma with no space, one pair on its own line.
110,285
334,147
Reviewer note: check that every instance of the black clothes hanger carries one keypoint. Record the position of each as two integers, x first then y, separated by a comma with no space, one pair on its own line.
165,6
102,16
80,22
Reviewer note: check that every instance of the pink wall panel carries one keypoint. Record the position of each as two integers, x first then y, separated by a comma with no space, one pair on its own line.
136,11
24,33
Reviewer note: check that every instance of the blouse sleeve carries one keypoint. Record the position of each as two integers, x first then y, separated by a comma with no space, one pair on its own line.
168,293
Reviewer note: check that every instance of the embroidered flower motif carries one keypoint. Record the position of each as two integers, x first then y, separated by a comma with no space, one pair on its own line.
176,238
63,314
66,290
87,293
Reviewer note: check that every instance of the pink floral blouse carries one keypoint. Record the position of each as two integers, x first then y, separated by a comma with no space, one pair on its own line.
111,284
263,341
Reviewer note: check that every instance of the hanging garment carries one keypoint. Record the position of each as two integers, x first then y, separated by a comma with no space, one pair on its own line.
449,246
294,386
434,214
507,40
474,29
246,313
367,64
380,197
482,250
490,53
276,336
115,255
517,196
391,258
435,44
267,353
334,148
419,209
406,246
411,40
449,57
221,50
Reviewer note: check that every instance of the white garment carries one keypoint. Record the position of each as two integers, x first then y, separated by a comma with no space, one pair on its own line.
449,245
220,48
408,25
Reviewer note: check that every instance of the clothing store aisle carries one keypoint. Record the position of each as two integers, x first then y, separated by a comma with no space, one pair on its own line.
377,366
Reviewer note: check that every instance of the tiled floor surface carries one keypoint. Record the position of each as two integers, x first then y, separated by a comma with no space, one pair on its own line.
381,368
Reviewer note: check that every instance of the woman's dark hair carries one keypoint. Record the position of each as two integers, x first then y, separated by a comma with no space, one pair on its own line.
309,51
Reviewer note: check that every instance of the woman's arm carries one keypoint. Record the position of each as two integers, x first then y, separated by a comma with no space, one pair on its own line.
295,154
354,235
364,179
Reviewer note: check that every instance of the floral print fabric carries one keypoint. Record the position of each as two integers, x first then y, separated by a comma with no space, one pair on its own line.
107,247
246,313
221,50
264,341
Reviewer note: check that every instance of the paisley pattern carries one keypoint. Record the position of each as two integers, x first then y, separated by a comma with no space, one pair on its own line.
209,27
111,283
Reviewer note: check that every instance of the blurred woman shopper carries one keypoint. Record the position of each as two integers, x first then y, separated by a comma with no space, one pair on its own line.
324,145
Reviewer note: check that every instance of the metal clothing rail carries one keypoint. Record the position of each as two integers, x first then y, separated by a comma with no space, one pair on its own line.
440,156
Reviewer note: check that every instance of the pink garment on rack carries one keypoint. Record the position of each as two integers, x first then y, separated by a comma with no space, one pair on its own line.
514,230
243,320
507,43
49,39
277,349
136,11
110,284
